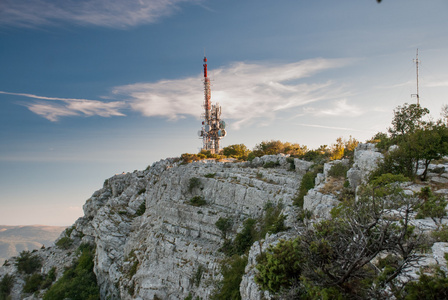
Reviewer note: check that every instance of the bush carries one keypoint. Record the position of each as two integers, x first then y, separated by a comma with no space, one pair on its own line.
441,234
224,224
141,209
27,263
432,206
79,281
141,191
271,164
232,271
64,243
338,170
279,266
194,183
33,283
197,201
306,185
210,175
6,285
428,287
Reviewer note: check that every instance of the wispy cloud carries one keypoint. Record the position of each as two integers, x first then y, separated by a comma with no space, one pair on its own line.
339,108
334,127
248,92
107,13
70,107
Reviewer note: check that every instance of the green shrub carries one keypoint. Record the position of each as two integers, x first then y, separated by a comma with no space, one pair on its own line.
272,221
194,183
271,164
49,278
27,263
441,234
232,271
196,279
141,191
292,165
210,175
306,185
338,170
224,224
279,266
432,206
33,283
6,285
79,281
197,201
141,209
64,243
428,287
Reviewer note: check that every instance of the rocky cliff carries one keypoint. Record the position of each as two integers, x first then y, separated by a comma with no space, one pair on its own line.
153,242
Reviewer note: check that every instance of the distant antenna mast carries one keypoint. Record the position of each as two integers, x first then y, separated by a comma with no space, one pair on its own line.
416,65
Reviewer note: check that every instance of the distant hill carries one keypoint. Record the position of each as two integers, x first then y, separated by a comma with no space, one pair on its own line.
14,239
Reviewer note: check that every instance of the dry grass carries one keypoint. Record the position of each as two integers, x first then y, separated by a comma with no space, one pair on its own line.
333,186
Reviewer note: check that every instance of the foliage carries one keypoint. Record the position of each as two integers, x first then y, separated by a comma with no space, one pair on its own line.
441,234
279,266
306,185
272,221
141,208
271,164
194,183
210,175
6,285
407,119
245,238
334,265
79,281
276,147
338,170
224,224
141,191
188,158
196,280
28,263
232,271
428,287
64,243
197,201
433,206
33,283
238,151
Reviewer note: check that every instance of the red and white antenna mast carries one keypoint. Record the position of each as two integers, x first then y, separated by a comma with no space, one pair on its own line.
213,128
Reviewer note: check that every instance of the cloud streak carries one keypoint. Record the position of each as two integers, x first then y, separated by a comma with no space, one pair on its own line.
105,13
248,92
70,107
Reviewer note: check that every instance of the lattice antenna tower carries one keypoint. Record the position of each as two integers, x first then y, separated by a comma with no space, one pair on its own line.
417,61
213,128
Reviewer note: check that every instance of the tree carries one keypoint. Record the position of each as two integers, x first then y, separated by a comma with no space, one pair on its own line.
28,263
340,257
407,119
239,151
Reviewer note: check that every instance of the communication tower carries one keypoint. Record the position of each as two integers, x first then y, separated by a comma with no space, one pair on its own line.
416,67
213,128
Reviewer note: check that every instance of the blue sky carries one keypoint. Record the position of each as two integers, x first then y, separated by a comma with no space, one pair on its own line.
92,88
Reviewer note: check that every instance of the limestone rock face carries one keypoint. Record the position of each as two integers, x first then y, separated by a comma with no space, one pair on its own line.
153,242
366,160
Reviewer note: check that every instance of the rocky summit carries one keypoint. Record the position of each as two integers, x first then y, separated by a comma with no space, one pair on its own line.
155,234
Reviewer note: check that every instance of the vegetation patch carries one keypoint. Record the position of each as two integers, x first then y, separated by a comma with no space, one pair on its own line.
194,183
6,285
306,184
79,281
338,170
28,263
141,209
232,270
64,243
271,164
197,201
210,175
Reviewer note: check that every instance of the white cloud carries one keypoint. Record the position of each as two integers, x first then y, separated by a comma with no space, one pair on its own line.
70,107
107,13
339,108
247,92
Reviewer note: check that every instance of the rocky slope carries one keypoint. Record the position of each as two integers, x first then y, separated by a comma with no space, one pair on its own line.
159,254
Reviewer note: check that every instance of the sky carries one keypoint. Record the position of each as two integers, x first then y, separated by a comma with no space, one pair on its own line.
93,88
